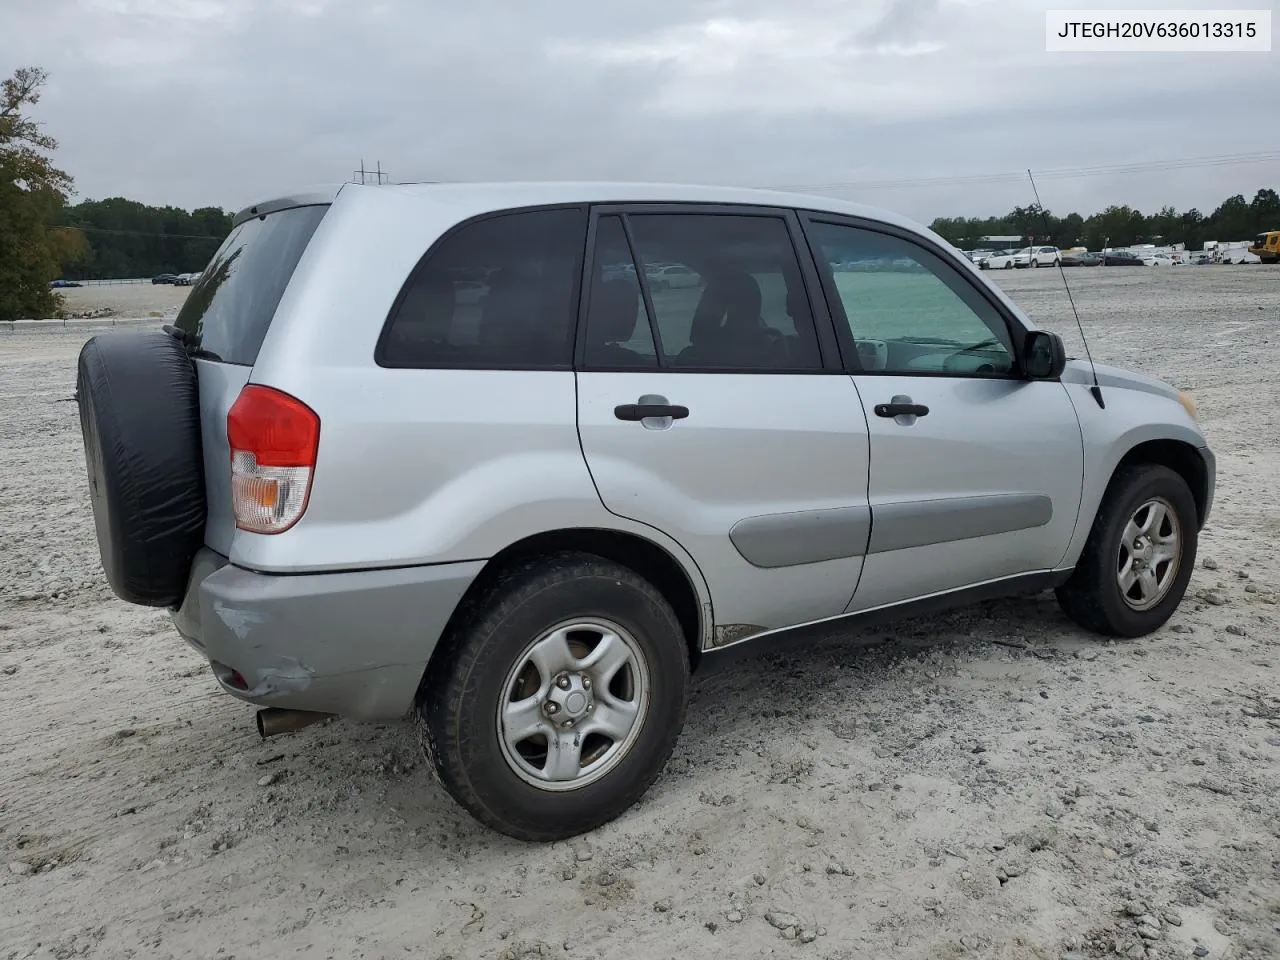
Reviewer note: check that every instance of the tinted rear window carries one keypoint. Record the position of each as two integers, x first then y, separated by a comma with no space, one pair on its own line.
498,293
230,309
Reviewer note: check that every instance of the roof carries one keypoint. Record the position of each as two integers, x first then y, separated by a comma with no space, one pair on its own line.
517,193
468,199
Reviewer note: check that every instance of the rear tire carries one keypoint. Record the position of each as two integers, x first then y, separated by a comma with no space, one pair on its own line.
621,654
1141,551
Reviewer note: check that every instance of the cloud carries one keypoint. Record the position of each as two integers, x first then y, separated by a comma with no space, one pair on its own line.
222,102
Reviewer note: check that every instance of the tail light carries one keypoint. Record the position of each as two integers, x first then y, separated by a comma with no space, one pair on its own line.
274,438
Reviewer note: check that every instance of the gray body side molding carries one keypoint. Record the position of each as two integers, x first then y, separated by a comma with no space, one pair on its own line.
806,536
919,523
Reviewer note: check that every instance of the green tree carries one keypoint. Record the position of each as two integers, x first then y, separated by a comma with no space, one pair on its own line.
1116,227
1165,226
1192,231
32,193
1233,221
1070,231
1266,210
130,239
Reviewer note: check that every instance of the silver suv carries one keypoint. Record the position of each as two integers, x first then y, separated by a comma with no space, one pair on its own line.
449,451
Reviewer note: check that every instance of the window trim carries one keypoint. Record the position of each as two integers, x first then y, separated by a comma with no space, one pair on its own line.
642,282
829,353
380,346
843,329
586,287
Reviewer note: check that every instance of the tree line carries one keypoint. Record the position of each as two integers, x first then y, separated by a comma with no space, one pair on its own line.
124,239
1235,219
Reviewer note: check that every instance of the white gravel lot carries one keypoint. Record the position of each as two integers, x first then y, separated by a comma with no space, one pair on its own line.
125,299
994,783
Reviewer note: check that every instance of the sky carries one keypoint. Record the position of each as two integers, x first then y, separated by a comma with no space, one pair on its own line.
226,102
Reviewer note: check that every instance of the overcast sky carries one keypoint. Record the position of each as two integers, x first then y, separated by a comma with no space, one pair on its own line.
224,102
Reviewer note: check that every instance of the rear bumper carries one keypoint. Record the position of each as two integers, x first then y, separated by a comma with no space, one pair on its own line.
354,644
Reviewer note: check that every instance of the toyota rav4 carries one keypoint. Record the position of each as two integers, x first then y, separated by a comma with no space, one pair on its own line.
452,452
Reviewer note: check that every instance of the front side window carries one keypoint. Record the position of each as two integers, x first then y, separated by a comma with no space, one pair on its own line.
498,293
907,310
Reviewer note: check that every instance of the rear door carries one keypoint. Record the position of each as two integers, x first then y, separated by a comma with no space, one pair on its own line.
716,410
976,472
226,317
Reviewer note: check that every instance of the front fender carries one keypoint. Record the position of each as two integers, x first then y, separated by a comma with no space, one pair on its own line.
1132,417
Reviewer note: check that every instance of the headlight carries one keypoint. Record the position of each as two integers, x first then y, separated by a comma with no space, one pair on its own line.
1187,402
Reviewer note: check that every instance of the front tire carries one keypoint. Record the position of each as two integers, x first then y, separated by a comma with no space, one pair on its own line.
1141,551
557,701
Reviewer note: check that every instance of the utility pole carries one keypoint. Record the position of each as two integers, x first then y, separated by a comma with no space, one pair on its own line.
364,174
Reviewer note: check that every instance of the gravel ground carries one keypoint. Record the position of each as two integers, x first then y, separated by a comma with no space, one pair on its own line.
124,299
994,783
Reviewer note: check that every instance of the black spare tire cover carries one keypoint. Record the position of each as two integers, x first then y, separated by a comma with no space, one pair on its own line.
140,420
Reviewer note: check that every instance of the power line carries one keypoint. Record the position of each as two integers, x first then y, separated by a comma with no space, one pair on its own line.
1061,173
141,233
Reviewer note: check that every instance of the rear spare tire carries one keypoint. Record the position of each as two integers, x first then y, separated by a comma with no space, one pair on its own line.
140,422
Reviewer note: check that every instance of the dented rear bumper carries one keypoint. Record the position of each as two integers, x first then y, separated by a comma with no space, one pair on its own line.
354,643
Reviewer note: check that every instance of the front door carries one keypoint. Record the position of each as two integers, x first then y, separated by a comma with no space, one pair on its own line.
716,411
976,472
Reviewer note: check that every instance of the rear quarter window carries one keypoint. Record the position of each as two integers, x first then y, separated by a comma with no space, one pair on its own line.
229,310
496,293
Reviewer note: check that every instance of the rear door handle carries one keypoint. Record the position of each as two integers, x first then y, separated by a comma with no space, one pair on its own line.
901,410
642,411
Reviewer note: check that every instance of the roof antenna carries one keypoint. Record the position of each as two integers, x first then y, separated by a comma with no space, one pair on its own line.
1096,389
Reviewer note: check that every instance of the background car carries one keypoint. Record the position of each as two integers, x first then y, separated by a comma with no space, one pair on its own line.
1000,260
1121,258
670,275
165,278
1157,260
1043,256
1081,259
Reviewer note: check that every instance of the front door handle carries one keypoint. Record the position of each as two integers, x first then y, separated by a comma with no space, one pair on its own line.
901,410
642,411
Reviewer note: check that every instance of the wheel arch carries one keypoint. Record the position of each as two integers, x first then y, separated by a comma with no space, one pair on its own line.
647,558
1179,456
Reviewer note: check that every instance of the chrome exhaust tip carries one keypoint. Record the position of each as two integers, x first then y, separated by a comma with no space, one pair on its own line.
273,720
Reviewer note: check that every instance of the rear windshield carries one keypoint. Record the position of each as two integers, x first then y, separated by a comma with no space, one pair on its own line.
230,308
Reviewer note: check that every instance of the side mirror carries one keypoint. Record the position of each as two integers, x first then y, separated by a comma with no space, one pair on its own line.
1043,355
